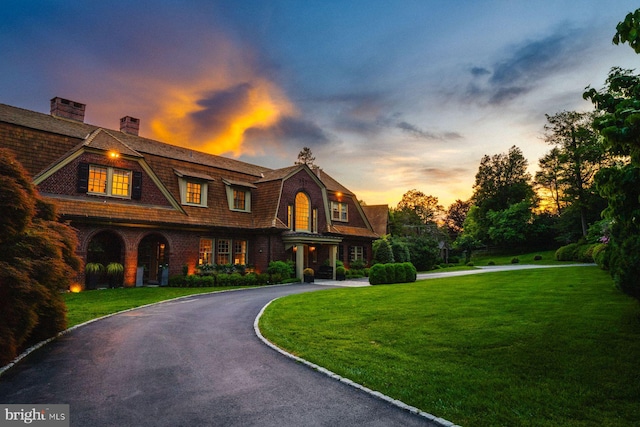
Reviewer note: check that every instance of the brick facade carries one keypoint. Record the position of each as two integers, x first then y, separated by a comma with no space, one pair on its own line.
156,227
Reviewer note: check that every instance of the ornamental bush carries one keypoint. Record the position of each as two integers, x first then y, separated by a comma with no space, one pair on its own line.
392,273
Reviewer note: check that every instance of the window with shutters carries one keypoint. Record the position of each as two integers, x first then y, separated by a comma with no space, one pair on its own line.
108,181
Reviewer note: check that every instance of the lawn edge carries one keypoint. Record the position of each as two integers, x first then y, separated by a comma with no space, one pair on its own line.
440,421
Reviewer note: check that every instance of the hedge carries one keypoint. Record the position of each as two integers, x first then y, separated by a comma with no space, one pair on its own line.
399,272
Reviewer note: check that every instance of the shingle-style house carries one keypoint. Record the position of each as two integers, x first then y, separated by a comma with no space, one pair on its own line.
145,203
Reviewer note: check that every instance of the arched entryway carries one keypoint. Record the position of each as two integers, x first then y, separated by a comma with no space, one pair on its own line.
104,248
153,257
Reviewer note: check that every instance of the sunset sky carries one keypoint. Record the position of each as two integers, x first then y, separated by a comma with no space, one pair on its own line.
389,95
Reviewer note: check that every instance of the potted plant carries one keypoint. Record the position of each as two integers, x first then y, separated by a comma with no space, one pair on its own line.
115,273
93,272
308,274
341,273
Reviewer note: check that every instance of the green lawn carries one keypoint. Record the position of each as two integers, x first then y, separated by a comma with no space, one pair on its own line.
551,347
548,258
88,305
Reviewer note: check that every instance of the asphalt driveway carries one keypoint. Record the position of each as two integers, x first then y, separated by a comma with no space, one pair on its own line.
190,362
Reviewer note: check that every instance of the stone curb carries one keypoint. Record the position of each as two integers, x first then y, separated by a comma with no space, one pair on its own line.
377,394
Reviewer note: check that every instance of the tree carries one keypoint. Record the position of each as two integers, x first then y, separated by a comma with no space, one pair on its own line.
426,207
305,157
549,181
455,216
502,181
37,260
382,252
619,124
579,155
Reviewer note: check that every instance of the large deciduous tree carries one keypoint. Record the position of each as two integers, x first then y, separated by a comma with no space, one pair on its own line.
619,124
425,206
37,262
579,154
502,181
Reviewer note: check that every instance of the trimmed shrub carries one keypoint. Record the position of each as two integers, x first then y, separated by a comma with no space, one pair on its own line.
280,269
399,275
515,260
537,258
383,254
568,252
491,263
600,255
377,274
410,272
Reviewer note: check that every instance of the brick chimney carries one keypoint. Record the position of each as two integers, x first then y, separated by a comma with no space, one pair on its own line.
61,107
130,125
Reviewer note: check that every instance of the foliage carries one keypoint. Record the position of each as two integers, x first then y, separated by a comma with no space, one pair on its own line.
282,269
502,181
400,249
356,264
426,207
510,226
619,124
515,260
305,157
382,252
37,262
455,216
218,279
308,271
340,270
424,251
392,273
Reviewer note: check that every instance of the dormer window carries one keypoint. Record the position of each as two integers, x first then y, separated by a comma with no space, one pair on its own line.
194,187
109,181
238,195
339,211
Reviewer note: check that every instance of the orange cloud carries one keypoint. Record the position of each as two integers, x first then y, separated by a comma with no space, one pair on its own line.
214,116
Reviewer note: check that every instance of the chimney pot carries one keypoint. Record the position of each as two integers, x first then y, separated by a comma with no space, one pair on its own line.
61,107
130,125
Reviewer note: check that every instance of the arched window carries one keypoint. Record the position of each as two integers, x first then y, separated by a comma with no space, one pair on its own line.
303,212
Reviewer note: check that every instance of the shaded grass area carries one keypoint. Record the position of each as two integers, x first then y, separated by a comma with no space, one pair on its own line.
548,258
87,305
537,347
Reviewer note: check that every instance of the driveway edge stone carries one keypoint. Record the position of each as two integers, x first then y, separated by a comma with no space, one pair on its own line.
377,394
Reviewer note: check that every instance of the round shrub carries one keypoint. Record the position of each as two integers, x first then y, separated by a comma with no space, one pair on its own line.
568,252
515,260
537,257
377,274
399,275
491,263
410,272
601,255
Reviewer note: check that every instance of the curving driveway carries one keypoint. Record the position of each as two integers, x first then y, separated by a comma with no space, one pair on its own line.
190,362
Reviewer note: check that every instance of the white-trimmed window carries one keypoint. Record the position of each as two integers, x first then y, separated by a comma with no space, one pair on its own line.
339,211
224,252
193,192
240,252
109,181
206,252
357,253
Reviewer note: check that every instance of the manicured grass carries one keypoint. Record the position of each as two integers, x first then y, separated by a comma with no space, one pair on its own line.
550,347
87,305
548,258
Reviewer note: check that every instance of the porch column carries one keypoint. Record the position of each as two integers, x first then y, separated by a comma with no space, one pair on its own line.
333,250
299,261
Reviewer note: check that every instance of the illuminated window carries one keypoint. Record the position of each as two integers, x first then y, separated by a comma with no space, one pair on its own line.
194,193
109,181
290,217
239,197
121,182
240,252
339,211
97,179
224,255
303,210
314,228
206,252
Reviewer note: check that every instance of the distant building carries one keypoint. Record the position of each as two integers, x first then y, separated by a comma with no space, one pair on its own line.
149,204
